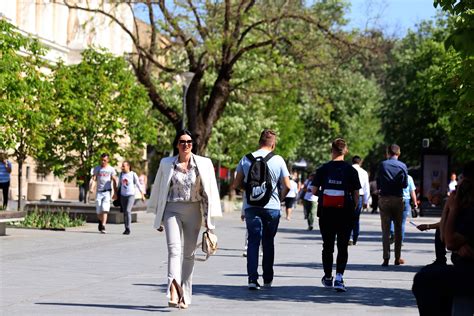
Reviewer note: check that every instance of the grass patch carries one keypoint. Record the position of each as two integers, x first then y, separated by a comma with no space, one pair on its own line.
48,219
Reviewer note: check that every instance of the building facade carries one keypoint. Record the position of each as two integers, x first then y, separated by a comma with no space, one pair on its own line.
66,33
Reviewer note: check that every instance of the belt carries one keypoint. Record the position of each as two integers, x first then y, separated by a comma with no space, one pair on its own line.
109,190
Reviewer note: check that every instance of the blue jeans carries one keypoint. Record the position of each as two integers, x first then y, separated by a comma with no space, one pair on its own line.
406,212
262,226
356,228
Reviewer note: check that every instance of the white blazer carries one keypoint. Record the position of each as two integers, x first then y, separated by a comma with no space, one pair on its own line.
161,186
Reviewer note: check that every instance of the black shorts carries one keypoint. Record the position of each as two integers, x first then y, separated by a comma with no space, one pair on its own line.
290,202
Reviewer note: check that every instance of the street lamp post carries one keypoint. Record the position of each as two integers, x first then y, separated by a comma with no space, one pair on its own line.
184,79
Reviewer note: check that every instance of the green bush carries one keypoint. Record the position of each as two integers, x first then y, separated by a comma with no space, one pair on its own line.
48,219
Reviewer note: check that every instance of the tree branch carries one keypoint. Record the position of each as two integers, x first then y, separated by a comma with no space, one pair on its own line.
179,33
126,30
202,31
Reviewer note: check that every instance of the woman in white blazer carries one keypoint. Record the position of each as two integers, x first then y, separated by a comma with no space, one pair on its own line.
184,196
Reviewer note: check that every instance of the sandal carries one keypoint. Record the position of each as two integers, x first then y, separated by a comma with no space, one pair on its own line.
179,291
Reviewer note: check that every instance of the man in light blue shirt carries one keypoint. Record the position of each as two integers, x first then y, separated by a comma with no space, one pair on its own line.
262,221
409,193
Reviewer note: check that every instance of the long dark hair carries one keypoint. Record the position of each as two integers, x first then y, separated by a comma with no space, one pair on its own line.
465,190
176,139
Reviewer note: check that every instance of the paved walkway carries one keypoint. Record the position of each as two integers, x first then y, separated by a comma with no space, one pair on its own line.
81,272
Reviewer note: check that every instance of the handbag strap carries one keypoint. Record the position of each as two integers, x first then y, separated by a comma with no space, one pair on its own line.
199,246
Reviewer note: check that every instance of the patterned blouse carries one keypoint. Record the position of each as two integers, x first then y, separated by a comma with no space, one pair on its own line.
185,185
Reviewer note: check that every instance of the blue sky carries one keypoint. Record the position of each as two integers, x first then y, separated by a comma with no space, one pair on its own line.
394,16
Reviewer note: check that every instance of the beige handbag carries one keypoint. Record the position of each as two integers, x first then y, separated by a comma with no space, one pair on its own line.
208,243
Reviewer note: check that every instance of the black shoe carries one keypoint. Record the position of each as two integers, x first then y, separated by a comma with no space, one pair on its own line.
327,282
102,230
310,228
253,285
126,232
99,227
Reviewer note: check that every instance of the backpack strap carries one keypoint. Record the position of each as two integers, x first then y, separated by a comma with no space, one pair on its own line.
250,157
268,156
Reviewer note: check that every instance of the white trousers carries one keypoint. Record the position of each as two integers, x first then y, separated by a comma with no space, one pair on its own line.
182,222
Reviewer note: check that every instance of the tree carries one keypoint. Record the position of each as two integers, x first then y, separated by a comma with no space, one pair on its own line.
25,96
429,93
101,108
209,39
345,105
411,110
459,78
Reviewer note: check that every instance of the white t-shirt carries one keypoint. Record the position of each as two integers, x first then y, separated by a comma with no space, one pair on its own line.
308,196
293,189
104,177
452,186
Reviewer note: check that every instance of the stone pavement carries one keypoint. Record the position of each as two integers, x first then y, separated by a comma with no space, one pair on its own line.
81,272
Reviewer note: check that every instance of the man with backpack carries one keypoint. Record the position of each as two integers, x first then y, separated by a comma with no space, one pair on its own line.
261,173
337,185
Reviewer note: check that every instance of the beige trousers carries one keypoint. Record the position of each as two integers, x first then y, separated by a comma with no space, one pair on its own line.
391,209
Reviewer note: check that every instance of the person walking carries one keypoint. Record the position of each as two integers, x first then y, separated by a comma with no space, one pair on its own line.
309,201
260,173
374,194
105,176
184,196
391,180
452,183
363,197
409,196
290,199
5,171
128,183
337,185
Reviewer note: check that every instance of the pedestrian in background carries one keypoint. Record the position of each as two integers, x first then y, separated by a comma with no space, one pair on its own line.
392,179
290,199
374,194
184,196
309,201
106,178
128,185
5,171
409,197
364,193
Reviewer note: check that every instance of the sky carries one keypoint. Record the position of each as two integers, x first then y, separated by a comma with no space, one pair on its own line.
394,16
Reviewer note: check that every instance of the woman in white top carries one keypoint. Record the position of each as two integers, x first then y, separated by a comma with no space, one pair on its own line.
128,183
184,196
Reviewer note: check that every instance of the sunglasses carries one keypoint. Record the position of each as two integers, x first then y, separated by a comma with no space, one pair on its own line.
184,142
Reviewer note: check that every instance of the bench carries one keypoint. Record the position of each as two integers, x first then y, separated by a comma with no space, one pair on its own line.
86,210
7,217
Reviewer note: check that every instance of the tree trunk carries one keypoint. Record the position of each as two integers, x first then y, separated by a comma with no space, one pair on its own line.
20,175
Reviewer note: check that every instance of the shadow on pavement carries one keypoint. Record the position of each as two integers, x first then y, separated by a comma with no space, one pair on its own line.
146,308
370,296
354,267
